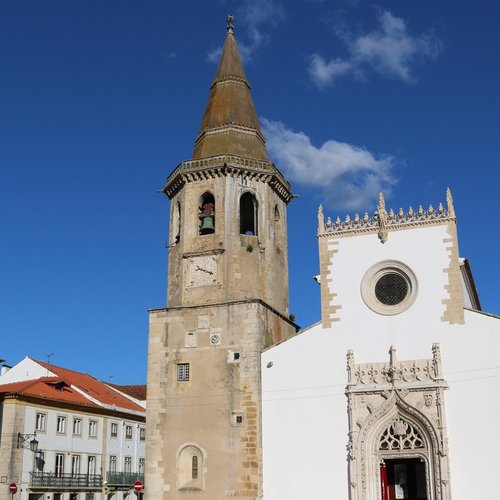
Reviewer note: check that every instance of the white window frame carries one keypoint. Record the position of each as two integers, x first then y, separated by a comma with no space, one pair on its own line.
77,426
183,372
75,464
61,424
91,464
142,433
40,421
92,428
59,464
129,432
113,429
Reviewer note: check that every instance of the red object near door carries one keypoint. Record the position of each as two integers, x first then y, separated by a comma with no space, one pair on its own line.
13,488
383,482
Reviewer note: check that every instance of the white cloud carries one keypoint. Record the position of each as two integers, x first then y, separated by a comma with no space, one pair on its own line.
213,55
323,72
350,176
390,50
257,15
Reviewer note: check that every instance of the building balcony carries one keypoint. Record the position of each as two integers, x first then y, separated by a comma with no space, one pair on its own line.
123,478
69,481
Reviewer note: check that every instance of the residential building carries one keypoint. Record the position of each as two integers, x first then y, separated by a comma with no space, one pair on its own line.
90,435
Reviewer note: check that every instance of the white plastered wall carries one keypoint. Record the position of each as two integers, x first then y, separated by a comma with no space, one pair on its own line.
305,409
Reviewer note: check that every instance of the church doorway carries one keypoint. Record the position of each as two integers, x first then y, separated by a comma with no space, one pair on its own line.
405,479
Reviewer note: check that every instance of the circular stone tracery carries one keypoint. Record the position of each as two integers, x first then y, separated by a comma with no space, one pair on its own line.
389,287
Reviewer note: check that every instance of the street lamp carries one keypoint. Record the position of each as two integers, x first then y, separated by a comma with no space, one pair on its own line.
23,441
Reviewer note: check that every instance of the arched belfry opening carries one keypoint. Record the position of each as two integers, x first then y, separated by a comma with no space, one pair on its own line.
248,214
206,214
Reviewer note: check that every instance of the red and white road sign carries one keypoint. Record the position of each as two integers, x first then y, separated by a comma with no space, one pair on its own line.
138,486
13,488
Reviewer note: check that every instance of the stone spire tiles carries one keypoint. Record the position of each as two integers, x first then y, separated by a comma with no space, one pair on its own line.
230,124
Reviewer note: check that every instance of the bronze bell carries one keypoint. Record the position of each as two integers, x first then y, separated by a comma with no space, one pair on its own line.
207,226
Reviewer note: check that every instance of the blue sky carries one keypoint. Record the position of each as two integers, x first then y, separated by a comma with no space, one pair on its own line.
101,100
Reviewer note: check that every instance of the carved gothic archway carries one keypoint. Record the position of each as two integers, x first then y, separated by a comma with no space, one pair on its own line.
395,419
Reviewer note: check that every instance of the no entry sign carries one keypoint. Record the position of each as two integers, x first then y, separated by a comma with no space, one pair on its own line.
13,488
138,486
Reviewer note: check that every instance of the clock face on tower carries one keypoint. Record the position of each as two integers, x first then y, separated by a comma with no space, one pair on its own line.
203,270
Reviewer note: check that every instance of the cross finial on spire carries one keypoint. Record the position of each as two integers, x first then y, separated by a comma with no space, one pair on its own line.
230,23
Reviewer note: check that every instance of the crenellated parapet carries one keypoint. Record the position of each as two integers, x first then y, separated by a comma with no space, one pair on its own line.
383,221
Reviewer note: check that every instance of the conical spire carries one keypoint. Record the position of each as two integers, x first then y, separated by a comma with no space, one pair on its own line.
230,124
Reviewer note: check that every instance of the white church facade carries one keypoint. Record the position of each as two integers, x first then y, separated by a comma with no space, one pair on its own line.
394,393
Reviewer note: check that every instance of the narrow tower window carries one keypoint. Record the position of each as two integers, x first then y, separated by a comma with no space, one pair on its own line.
207,214
248,214
176,223
276,214
194,467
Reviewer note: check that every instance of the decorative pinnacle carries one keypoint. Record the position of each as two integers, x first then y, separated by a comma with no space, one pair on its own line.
449,202
382,219
230,23
321,220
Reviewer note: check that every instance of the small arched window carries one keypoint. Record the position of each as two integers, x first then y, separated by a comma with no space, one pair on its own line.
190,468
206,214
276,214
248,214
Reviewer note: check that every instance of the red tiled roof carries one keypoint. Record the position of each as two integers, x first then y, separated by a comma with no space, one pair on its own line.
50,388
93,387
135,391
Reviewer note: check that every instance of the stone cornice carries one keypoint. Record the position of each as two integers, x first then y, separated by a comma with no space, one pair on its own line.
228,165
227,304
230,127
230,78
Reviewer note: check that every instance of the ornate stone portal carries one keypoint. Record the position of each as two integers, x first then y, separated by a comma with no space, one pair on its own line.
396,412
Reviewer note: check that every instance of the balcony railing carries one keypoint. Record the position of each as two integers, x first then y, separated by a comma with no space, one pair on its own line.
124,478
52,480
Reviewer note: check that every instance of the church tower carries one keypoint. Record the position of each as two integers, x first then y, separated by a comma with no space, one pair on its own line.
227,302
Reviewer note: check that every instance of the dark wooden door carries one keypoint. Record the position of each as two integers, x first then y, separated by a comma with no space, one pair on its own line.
406,479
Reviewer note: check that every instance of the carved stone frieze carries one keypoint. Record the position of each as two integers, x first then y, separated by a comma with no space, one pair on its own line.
382,222
227,165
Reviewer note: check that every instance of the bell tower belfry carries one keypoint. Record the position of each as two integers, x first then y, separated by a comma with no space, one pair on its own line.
227,301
